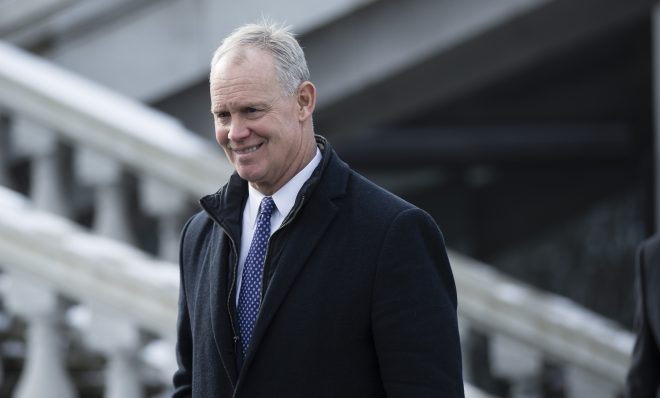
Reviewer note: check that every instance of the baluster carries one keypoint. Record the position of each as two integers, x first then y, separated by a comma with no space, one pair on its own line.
47,180
519,363
583,384
160,355
464,331
44,372
120,341
112,215
169,206
477,353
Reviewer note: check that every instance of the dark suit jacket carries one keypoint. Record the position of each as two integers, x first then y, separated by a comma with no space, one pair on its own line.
644,376
359,299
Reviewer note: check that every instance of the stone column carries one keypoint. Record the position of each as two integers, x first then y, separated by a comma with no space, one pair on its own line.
518,363
464,332
583,384
160,355
169,206
47,179
120,341
104,174
44,372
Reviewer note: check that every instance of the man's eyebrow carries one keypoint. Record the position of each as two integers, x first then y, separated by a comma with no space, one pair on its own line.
240,105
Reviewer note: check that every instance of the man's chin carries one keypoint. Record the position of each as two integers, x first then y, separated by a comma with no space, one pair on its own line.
250,176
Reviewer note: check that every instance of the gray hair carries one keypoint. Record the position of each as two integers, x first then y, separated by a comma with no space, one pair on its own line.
279,41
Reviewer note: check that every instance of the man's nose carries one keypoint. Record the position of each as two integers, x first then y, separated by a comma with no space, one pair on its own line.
238,129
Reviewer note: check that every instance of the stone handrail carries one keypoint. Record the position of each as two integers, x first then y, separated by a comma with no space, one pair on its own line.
90,269
85,113
550,323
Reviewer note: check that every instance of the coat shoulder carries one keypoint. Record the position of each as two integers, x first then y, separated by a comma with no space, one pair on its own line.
371,198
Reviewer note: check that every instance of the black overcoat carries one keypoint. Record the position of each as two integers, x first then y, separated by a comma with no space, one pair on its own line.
359,298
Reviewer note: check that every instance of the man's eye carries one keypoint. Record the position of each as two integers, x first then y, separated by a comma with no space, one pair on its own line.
252,111
222,118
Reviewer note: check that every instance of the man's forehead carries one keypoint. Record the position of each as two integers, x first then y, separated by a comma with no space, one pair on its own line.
242,73
234,56
250,71
245,58
240,92
241,83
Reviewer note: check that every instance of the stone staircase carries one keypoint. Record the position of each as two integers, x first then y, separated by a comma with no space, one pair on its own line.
96,187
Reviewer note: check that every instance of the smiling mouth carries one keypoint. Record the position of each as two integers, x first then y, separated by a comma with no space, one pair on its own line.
244,151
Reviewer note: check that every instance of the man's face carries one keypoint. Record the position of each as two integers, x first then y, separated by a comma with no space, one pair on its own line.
256,122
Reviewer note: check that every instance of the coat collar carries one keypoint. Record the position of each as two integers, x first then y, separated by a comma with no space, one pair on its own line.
226,205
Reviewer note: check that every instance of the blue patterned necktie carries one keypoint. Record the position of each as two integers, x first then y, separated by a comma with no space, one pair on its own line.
249,297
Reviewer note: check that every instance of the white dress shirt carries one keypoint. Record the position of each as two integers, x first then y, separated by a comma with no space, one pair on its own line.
284,200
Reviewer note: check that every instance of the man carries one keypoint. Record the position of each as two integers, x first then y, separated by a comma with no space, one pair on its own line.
644,375
300,278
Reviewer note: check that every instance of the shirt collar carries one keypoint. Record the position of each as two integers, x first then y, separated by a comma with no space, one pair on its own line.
285,197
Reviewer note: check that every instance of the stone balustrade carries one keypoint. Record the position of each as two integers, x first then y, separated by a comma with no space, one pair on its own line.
126,293
528,329
131,158
91,116
46,258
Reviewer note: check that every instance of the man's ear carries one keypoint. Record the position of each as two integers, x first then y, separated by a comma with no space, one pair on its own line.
306,99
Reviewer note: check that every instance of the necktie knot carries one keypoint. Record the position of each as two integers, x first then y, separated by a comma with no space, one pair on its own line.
266,207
